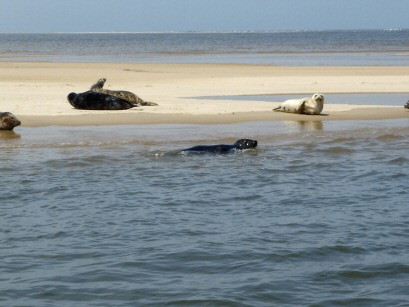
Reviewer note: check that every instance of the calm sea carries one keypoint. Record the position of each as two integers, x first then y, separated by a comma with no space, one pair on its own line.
374,47
116,216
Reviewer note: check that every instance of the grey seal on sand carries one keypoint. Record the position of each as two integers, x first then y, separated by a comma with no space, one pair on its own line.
126,95
98,101
8,121
310,106
241,144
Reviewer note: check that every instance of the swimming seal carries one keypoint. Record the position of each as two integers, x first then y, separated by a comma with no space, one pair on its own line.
98,101
241,144
310,106
128,96
8,121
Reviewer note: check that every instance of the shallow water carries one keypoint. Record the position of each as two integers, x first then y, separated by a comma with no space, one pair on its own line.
384,99
115,216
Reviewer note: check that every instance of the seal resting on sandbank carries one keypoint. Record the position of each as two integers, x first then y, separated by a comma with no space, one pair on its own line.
126,95
98,101
8,121
310,106
406,105
241,144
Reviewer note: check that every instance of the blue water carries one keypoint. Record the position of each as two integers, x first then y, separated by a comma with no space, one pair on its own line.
370,47
115,216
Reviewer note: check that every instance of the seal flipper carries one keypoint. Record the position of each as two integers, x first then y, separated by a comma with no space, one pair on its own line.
147,103
98,85
301,108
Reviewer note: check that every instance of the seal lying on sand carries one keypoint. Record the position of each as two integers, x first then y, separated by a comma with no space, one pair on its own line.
98,101
129,96
311,106
406,105
8,121
222,149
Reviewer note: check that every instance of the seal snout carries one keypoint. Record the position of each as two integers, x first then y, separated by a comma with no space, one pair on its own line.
71,96
318,97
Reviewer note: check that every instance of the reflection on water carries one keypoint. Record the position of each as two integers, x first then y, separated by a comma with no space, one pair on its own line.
7,134
304,125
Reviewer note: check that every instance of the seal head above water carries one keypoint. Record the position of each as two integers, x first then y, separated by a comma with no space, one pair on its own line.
8,121
242,144
310,106
126,95
98,101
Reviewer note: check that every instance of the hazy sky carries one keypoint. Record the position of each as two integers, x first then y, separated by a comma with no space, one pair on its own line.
200,15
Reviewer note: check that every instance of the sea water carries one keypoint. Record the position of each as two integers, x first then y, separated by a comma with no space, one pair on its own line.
359,47
317,215
116,216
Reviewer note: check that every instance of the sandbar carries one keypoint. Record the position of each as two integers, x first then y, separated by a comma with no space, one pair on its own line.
36,92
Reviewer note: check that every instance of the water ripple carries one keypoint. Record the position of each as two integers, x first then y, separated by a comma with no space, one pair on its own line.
309,219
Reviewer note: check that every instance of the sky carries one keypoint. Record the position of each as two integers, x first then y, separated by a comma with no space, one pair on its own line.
29,16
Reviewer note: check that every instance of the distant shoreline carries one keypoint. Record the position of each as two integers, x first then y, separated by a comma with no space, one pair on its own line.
216,32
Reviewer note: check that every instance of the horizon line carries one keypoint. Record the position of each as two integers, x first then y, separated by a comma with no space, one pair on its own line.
208,32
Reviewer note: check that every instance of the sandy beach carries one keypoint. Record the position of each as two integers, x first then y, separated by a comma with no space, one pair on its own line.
36,91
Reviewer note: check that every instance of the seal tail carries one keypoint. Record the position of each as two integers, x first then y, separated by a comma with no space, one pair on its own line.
147,103
278,109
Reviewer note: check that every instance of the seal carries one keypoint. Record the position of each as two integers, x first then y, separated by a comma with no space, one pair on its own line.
126,95
98,101
242,144
310,106
8,121
406,105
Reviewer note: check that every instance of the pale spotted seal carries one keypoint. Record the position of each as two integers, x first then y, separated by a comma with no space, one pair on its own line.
98,101
129,96
8,121
241,144
311,106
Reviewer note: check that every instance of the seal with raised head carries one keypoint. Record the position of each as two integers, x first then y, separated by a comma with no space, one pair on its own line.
242,144
98,101
310,106
126,95
8,121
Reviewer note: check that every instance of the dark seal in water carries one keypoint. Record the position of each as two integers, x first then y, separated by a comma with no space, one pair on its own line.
241,144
